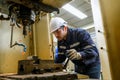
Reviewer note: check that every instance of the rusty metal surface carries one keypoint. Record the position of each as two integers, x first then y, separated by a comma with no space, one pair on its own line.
45,76
38,67
39,70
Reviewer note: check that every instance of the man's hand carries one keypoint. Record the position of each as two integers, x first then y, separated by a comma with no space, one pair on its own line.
72,54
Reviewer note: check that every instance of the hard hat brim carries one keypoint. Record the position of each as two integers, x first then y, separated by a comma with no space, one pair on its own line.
54,30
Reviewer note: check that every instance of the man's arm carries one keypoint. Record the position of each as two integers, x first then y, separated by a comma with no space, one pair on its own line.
89,52
59,56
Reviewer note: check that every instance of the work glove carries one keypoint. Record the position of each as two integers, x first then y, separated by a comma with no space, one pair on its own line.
72,54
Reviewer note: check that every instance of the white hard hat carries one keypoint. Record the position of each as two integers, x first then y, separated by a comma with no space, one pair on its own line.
56,23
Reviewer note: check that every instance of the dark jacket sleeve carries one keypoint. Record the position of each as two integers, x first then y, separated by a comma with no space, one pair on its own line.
59,56
88,50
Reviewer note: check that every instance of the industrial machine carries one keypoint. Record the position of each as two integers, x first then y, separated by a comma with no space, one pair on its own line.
46,68
36,69
37,66
23,13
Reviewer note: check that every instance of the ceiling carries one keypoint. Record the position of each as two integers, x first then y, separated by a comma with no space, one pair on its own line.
82,5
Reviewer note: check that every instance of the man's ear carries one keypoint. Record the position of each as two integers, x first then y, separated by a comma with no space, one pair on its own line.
65,28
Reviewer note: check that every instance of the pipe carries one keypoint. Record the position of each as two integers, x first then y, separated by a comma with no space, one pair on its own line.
23,45
16,43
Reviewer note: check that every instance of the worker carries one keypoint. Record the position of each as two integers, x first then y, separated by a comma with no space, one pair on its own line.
76,45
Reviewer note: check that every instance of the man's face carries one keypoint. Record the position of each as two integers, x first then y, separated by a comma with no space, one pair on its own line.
60,33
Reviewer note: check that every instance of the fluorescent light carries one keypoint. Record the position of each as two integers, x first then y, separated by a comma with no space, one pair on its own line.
74,11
